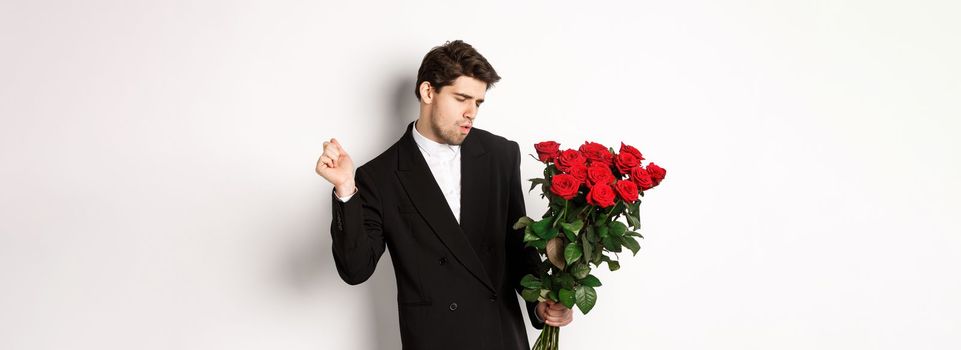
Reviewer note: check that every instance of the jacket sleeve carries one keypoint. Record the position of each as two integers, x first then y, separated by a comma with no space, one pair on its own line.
356,230
522,260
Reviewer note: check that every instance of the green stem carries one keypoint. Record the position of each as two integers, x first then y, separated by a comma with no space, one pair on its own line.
582,211
563,215
557,333
553,345
611,211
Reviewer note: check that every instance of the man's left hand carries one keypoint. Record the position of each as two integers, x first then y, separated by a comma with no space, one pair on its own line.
554,313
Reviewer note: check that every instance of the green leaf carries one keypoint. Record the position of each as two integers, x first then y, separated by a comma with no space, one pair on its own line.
529,234
546,282
580,270
540,244
575,226
529,281
549,233
613,265
567,297
591,280
572,252
540,227
571,229
531,294
602,231
522,223
618,228
632,221
589,234
586,297
535,182
635,234
631,244
612,243
588,249
565,280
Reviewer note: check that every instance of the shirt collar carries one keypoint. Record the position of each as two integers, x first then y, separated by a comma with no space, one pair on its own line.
433,148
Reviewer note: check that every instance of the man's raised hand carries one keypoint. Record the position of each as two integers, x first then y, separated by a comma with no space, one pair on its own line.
337,168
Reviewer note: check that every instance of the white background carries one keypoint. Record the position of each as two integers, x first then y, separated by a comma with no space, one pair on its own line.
158,187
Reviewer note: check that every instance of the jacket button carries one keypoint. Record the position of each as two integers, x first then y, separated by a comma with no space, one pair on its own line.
442,260
453,306
493,297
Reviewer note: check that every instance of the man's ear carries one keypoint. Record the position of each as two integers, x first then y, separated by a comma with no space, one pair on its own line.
426,92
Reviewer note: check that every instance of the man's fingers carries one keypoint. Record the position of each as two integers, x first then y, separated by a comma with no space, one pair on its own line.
559,320
556,321
333,153
556,313
327,161
340,149
330,150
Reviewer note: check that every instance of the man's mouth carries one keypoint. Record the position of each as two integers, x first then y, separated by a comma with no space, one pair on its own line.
465,128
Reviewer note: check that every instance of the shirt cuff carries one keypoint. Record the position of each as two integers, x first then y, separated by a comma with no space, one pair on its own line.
346,198
536,315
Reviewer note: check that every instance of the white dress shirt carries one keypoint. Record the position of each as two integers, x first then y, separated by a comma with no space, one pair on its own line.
444,163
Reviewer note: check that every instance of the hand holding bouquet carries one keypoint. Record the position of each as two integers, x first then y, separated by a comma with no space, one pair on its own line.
589,190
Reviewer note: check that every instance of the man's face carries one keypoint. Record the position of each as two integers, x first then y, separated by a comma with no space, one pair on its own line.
454,108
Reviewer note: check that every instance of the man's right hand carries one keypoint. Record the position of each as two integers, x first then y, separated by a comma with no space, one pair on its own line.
337,168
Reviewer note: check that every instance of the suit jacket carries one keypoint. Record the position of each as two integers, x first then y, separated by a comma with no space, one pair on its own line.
457,284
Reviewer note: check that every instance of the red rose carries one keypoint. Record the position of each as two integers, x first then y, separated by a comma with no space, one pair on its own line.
627,190
626,161
633,151
641,178
564,186
601,195
598,173
596,152
565,160
579,172
547,150
657,173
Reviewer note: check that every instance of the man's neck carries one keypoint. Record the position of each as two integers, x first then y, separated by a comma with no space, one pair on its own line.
426,132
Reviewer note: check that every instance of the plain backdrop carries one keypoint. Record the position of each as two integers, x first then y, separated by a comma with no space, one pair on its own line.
157,185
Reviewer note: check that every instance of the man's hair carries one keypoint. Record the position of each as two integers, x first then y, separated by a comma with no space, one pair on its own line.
444,64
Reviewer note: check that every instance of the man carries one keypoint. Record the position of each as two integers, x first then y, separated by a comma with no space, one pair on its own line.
443,199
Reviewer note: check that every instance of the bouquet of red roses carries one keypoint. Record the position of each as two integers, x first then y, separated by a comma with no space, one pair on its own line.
589,190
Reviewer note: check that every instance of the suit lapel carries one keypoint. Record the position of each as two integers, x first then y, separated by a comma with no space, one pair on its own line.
426,195
474,179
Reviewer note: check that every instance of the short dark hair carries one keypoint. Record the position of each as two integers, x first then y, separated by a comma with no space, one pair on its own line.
444,64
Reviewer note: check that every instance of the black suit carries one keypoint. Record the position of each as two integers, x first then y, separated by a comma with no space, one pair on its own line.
456,283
